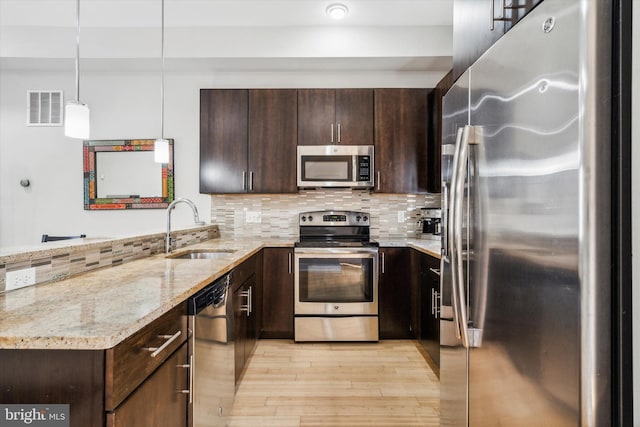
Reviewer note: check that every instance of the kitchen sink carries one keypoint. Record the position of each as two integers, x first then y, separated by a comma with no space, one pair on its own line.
202,254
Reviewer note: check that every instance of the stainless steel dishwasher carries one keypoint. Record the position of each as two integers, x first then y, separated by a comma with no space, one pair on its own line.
212,354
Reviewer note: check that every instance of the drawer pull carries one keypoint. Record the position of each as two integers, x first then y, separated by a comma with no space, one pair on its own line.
157,350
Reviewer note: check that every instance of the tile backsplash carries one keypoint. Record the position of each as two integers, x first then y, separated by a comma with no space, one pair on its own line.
279,212
60,261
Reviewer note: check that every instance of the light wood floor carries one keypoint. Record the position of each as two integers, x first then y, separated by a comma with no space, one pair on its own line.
338,385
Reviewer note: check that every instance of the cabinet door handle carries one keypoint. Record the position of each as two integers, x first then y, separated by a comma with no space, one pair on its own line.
189,390
339,138
157,350
251,181
246,306
378,180
244,180
290,262
493,13
433,304
382,263
435,271
491,16
332,133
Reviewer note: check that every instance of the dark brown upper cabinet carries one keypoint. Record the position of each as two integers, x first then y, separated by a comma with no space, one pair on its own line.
478,24
247,141
273,121
335,116
434,152
401,142
224,119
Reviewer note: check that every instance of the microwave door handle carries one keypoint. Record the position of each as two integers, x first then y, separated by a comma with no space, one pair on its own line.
332,133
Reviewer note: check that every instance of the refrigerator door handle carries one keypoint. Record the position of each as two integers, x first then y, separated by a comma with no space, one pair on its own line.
451,236
456,225
445,220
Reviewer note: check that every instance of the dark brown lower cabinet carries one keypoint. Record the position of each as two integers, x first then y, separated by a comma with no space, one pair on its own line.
161,400
277,293
246,326
121,386
74,377
430,306
394,294
247,295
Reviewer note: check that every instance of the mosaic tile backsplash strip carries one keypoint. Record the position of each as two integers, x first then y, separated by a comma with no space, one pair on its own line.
279,212
62,262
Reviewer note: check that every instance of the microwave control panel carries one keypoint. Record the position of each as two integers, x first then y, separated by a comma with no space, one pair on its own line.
364,168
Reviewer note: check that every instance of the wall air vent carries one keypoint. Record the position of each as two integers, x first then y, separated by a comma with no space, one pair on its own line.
44,108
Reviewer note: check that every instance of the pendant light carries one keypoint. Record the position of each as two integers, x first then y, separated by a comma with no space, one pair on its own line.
76,120
161,145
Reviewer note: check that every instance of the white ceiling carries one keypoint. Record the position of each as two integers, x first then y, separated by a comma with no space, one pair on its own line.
273,35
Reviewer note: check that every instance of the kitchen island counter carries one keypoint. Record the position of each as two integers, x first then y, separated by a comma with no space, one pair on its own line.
99,309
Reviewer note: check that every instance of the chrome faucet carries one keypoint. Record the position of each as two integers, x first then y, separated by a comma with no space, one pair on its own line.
168,241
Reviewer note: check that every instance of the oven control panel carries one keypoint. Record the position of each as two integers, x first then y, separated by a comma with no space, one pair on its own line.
333,218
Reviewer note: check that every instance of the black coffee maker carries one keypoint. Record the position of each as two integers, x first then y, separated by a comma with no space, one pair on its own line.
431,221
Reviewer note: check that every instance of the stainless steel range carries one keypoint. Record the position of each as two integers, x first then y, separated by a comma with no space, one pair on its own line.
336,278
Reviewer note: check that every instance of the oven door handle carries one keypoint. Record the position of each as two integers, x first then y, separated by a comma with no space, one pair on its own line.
337,251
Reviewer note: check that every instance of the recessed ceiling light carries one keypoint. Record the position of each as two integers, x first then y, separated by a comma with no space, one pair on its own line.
337,10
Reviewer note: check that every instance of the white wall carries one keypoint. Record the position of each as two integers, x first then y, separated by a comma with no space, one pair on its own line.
124,105
635,208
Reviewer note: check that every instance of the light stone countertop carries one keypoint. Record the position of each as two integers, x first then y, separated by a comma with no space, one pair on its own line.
429,247
99,309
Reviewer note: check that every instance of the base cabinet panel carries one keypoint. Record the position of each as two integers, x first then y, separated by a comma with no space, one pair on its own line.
277,300
430,306
247,298
74,377
394,294
160,401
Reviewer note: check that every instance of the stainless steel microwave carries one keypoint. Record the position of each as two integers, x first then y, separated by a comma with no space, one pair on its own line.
349,166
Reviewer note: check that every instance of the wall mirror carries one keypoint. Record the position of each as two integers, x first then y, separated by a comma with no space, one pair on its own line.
121,174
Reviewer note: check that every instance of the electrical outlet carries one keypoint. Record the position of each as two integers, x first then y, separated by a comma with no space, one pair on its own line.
20,278
400,216
253,217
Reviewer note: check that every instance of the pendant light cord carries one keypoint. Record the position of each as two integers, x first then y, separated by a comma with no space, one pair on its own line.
162,76
78,50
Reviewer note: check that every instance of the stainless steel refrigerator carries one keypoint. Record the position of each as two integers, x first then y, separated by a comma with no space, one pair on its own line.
526,278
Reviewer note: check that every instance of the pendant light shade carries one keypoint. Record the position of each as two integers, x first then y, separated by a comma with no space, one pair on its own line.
76,120
161,151
161,145
76,113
